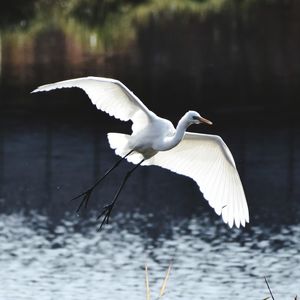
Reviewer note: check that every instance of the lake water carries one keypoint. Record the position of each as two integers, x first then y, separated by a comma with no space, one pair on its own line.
241,72
39,261
49,252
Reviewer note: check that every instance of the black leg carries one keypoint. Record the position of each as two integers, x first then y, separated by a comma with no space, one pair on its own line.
108,207
87,194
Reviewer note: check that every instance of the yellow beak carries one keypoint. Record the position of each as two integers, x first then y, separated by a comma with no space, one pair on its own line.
203,120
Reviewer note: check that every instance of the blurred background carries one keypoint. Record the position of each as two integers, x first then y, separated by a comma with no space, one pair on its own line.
235,61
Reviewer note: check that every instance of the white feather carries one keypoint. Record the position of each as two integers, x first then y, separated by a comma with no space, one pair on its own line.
202,157
110,96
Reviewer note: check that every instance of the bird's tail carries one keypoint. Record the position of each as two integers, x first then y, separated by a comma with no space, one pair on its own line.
119,142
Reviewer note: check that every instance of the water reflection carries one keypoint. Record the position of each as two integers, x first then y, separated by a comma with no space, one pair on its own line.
47,161
42,261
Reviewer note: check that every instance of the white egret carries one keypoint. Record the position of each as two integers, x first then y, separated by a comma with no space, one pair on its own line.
154,141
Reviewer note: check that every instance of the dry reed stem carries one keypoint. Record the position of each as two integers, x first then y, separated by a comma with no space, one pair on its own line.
147,283
164,285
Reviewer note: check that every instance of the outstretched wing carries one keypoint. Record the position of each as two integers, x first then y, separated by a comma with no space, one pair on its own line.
207,160
108,95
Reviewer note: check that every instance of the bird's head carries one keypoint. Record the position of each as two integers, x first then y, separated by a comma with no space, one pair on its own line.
194,118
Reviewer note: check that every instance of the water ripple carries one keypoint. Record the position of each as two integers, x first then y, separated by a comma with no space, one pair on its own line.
41,261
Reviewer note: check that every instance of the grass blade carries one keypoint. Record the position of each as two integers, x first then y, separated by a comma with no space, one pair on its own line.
164,285
269,288
147,283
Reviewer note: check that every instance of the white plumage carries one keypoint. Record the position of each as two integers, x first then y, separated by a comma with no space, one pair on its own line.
154,141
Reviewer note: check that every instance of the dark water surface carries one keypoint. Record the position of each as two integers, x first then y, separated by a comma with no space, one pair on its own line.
237,63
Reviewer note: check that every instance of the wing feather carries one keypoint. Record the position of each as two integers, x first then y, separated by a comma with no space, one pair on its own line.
110,96
236,211
223,189
218,182
209,184
207,160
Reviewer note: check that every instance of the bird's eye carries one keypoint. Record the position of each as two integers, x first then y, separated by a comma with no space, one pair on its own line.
195,118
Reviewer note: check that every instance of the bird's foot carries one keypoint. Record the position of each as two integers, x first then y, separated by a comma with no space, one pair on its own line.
86,197
106,211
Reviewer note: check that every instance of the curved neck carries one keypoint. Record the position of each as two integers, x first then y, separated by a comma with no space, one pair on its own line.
171,142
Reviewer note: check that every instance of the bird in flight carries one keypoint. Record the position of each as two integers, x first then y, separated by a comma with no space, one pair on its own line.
155,141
